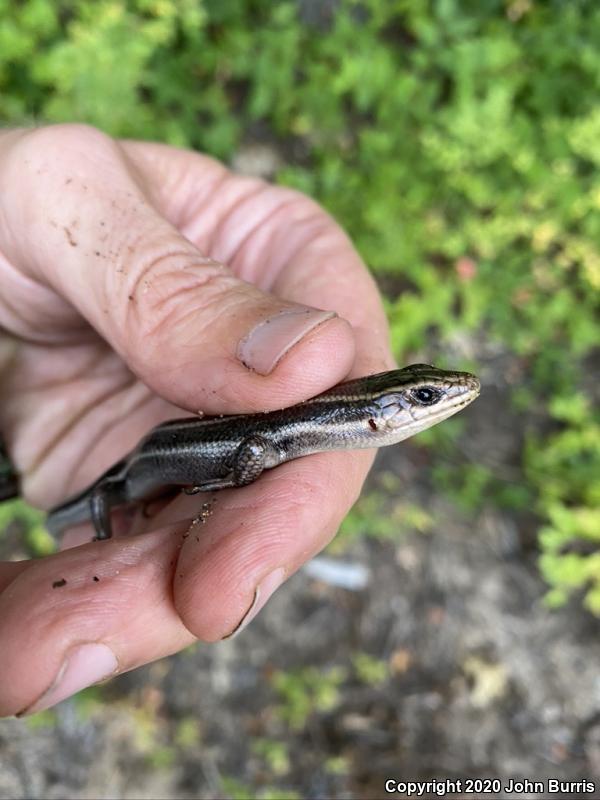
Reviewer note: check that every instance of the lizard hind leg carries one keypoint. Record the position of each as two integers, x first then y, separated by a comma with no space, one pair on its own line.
102,498
248,462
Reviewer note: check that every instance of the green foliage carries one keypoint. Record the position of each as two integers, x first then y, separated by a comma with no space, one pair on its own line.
188,735
274,753
43,720
233,789
38,541
305,691
369,670
162,757
458,143
366,519
472,485
89,701
566,467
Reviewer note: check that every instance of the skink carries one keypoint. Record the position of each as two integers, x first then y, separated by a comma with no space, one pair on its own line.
212,453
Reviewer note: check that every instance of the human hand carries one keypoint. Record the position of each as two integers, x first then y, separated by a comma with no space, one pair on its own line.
113,317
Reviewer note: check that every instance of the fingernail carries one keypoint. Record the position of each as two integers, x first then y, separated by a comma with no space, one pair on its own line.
84,665
263,591
270,340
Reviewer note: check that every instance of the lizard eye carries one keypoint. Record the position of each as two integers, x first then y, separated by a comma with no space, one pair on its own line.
426,395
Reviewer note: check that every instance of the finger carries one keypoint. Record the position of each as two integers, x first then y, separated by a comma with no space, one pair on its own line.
9,571
77,216
309,260
236,553
70,620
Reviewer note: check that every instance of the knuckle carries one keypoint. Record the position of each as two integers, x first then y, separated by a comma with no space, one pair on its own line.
40,147
171,286
302,207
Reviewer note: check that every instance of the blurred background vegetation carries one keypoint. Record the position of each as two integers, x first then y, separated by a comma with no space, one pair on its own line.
457,142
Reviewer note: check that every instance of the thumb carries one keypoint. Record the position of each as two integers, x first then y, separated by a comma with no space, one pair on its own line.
79,220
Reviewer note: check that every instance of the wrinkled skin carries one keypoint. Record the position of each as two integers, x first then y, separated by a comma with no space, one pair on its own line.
117,312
